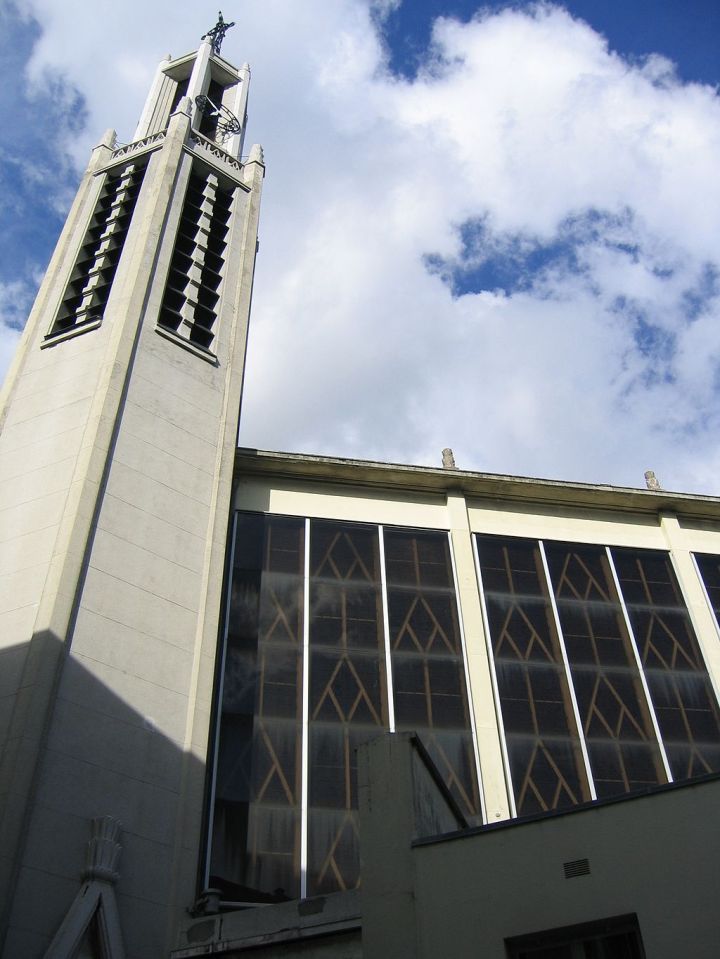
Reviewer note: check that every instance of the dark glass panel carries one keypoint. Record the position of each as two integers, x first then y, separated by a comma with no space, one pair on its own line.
710,571
546,762
347,692
617,937
680,688
255,849
623,945
621,742
429,685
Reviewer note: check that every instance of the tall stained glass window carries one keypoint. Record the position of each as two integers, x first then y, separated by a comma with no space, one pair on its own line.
427,657
306,680
616,721
255,854
601,683
685,703
347,694
541,733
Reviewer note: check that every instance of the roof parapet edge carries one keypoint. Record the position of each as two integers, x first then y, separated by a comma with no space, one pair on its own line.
364,473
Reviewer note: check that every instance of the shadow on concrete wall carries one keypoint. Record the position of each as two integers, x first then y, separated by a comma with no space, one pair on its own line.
101,757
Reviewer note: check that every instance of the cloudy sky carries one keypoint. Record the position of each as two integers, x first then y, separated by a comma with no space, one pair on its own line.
492,228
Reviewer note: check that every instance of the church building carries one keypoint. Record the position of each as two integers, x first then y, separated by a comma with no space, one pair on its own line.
279,705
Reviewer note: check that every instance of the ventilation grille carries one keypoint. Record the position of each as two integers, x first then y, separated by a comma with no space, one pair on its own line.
87,292
578,867
192,293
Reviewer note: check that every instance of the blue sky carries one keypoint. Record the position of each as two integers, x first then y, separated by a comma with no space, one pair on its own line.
687,32
29,148
486,227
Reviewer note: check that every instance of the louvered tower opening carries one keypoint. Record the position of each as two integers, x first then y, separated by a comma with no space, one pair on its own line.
90,283
192,293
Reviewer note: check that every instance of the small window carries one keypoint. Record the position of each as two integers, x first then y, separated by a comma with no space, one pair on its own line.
614,938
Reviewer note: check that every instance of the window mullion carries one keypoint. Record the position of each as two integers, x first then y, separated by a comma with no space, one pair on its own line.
386,632
305,717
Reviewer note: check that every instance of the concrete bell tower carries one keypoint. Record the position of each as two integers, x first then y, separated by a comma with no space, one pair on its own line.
118,428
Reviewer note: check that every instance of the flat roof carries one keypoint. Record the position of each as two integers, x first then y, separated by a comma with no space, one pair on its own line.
709,780
493,486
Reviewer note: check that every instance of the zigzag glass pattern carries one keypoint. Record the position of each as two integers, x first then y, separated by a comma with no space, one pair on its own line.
256,827
646,706
544,751
271,789
430,691
616,720
685,704
347,692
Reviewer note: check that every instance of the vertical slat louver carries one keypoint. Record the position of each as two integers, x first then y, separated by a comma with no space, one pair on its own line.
193,288
87,292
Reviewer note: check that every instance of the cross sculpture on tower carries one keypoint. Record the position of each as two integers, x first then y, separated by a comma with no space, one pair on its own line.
217,34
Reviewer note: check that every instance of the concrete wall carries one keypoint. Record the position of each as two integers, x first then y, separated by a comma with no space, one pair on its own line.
656,856
327,927
49,426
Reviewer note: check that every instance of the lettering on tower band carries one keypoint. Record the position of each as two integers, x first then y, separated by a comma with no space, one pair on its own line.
86,295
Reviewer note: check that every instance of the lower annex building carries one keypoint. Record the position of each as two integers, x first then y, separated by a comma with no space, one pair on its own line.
282,705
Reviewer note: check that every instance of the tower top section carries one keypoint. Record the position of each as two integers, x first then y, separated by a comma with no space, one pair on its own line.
217,34
206,86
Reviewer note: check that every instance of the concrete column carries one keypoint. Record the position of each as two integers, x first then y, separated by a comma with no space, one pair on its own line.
239,108
143,127
386,796
701,616
496,805
200,77
402,798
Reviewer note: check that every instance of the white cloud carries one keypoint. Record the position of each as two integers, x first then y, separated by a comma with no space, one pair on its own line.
15,303
524,120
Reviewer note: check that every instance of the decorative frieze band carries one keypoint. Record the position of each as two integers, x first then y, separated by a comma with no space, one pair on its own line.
138,145
215,150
